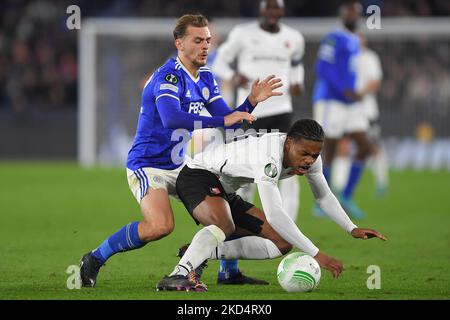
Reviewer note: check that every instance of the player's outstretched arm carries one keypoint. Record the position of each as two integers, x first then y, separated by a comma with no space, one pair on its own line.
279,219
238,117
263,90
173,117
288,230
326,199
360,233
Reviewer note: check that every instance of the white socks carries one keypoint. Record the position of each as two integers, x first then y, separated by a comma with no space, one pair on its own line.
250,247
290,195
203,243
380,168
340,172
208,243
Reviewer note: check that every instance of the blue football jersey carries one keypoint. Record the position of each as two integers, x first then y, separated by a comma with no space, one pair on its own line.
153,144
335,66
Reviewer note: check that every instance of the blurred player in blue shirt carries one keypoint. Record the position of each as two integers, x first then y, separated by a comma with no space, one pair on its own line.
335,100
171,100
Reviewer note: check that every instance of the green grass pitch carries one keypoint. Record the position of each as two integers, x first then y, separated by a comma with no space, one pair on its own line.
52,213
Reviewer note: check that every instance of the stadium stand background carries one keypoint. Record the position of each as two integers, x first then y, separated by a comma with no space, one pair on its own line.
39,71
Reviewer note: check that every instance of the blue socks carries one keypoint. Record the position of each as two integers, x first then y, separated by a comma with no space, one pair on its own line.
125,239
228,268
353,179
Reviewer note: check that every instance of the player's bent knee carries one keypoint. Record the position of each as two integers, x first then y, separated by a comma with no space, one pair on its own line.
154,231
165,229
227,227
217,218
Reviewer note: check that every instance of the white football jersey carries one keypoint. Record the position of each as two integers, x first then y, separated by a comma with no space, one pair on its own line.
368,69
259,159
259,54
249,159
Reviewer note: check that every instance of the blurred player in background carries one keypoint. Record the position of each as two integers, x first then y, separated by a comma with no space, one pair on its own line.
172,99
369,75
335,96
260,48
207,187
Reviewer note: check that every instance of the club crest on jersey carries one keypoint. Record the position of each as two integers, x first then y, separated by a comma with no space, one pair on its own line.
205,93
271,170
171,78
215,190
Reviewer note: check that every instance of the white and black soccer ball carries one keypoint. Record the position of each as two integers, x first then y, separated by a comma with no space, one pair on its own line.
298,272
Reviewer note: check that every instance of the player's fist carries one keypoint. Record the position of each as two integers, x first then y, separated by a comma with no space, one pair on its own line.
238,117
331,264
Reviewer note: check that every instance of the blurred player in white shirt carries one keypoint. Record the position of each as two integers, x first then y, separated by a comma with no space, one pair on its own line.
261,48
370,75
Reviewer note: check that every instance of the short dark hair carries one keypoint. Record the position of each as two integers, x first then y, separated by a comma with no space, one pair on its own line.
196,20
306,129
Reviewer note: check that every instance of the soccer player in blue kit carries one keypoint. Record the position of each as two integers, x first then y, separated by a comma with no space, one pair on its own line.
335,101
172,99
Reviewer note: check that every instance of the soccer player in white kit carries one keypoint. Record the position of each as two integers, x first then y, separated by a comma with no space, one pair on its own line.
369,78
260,48
207,187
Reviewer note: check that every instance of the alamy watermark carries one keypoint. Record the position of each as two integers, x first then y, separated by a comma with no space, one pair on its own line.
73,280
374,19
74,20
220,140
374,280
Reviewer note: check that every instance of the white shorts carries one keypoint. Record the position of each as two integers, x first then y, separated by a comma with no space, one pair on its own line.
141,179
338,119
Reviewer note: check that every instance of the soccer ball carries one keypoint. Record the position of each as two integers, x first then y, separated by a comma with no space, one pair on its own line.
298,272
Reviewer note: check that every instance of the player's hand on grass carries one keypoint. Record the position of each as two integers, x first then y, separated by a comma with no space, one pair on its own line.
360,233
238,117
333,265
262,90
